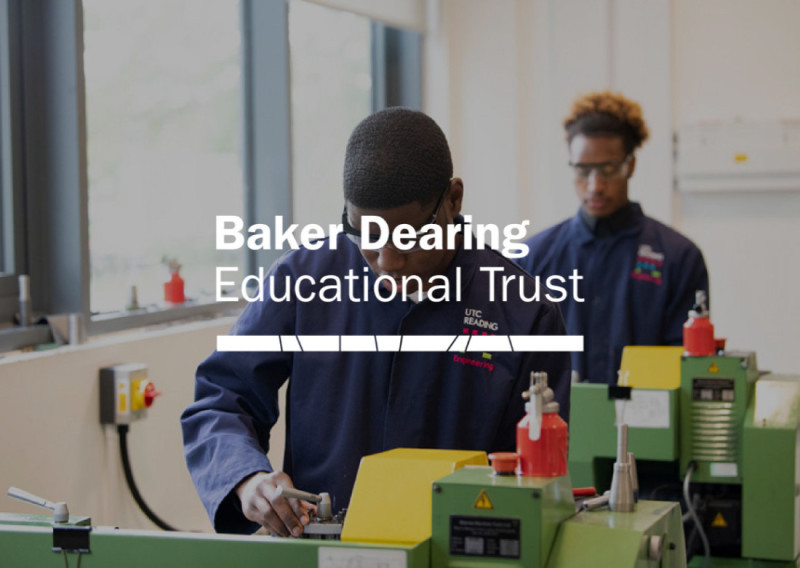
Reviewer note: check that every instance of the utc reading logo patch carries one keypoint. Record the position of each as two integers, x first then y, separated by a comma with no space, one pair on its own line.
474,318
649,265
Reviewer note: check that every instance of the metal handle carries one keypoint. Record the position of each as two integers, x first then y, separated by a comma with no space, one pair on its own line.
595,502
60,511
291,493
24,496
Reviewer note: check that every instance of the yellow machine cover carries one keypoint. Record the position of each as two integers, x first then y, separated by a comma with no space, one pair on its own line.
391,502
651,367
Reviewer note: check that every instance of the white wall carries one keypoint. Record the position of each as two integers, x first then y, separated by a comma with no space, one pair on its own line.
514,66
53,445
738,59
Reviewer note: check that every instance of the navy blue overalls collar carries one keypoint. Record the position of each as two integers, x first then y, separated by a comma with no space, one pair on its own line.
632,224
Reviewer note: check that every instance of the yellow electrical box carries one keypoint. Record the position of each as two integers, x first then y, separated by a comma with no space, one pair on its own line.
651,367
391,502
125,393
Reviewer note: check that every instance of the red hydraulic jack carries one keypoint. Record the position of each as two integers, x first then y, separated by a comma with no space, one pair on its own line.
542,438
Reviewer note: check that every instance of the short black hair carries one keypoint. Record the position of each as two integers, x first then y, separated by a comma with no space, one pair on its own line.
607,114
394,157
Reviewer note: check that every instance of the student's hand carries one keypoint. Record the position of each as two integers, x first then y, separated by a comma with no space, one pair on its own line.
262,505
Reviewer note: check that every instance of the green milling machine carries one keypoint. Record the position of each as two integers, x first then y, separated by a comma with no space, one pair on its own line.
411,508
713,426
471,517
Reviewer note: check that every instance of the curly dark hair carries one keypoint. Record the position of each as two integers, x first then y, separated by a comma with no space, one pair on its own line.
607,114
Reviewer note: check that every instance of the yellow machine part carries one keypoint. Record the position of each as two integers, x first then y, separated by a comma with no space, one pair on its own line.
391,502
651,367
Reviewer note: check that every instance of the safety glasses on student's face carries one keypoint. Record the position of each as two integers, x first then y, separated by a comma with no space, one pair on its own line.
355,235
603,170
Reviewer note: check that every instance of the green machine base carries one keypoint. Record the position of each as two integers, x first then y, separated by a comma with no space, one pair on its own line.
485,520
24,546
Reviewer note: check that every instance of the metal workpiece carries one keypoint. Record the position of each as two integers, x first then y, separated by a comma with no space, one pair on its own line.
621,498
60,510
324,525
323,531
324,507
622,443
634,475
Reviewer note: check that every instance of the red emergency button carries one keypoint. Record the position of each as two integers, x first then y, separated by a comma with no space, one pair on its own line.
150,394
504,463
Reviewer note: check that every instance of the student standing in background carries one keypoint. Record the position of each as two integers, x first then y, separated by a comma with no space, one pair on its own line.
639,276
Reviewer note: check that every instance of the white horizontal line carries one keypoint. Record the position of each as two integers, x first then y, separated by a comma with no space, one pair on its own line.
429,343
426,342
546,342
248,343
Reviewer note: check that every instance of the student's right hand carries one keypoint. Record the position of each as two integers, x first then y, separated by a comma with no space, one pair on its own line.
262,505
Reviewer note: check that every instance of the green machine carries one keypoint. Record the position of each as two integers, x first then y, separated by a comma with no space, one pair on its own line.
483,520
27,541
470,517
713,426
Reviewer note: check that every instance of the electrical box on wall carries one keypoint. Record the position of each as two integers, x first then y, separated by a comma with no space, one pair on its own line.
739,156
126,393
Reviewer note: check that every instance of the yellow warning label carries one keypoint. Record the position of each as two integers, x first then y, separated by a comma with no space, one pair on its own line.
719,521
714,368
740,157
483,501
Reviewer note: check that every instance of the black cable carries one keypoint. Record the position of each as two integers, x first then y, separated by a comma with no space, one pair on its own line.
122,430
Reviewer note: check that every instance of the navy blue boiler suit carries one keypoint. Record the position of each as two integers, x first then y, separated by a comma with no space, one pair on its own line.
638,286
342,406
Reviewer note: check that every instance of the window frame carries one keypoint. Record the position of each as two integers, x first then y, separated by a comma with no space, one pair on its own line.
43,163
14,229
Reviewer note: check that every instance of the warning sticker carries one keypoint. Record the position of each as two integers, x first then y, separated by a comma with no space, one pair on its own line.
719,521
483,536
483,501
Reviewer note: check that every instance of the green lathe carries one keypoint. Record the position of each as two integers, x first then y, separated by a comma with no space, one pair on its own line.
714,426
410,509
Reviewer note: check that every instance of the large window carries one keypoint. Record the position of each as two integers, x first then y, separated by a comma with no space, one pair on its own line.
331,91
164,137
127,126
